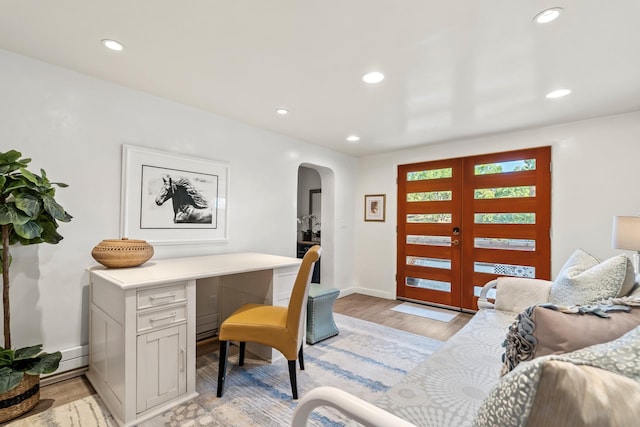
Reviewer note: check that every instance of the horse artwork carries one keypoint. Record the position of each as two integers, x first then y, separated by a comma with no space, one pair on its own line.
189,206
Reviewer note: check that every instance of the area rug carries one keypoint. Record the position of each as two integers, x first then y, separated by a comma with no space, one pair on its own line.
439,314
88,411
364,359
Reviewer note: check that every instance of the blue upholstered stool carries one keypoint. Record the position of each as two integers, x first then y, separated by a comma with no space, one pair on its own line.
320,324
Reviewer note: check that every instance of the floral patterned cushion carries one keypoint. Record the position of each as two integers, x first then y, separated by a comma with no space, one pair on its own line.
584,279
448,388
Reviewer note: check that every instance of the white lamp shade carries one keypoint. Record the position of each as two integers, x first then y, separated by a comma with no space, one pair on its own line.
626,233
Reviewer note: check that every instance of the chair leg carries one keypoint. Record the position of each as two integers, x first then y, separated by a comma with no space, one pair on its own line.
243,346
301,358
222,366
292,377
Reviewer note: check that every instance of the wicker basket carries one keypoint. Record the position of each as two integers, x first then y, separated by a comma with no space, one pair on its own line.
21,399
122,253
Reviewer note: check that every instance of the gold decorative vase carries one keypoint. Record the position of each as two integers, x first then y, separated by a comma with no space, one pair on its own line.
122,253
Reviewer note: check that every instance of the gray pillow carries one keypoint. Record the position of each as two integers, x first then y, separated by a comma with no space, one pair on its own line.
584,279
530,387
541,330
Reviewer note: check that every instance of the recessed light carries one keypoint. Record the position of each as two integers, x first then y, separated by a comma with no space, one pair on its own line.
113,44
353,138
548,15
558,93
373,77
282,111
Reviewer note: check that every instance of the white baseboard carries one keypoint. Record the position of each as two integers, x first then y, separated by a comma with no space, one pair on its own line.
74,363
369,292
74,358
206,326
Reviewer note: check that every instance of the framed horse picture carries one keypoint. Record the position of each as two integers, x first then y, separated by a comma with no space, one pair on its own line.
171,198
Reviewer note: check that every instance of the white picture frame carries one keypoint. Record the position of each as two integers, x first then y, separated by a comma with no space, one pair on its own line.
193,192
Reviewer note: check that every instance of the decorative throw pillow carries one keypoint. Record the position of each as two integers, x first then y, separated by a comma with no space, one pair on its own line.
544,383
571,395
517,293
585,280
541,330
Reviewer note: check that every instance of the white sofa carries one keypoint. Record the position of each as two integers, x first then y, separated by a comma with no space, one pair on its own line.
449,388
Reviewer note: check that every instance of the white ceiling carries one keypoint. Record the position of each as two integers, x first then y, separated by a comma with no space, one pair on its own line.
453,68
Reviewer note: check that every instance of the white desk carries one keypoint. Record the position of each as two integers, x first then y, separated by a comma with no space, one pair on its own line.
143,324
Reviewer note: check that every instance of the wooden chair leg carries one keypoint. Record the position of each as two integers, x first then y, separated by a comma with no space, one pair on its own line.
222,366
243,346
301,358
292,377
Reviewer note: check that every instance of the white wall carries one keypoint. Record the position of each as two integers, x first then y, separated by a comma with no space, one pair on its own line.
73,126
595,176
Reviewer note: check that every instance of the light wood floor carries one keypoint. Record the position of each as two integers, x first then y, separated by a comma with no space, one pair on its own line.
378,310
363,307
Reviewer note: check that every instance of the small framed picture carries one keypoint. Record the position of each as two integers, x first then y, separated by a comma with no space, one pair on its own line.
374,207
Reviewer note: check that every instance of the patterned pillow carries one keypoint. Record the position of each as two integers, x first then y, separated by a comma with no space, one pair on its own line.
583,279
534,384
541,330
610,399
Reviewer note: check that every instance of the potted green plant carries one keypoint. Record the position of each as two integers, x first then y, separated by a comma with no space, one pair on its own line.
29,215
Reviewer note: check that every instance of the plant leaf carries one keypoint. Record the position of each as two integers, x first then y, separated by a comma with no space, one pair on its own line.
13,185
49,233
29,230
9,379
6,357
53,208
28,352
47,364
10,156
10,215
29,176
28,203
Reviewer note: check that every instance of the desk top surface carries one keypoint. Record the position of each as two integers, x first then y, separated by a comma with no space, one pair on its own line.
188,268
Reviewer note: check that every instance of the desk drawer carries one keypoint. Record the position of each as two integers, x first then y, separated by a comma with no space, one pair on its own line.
149,320
160,296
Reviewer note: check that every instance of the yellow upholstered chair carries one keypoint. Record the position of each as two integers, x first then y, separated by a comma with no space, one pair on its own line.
281,328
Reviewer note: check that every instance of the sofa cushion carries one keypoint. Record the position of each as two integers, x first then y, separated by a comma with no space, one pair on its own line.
541,330
583,279
540,383
517,293
576,395
448,388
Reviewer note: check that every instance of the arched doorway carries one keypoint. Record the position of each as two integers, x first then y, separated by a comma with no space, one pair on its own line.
315,217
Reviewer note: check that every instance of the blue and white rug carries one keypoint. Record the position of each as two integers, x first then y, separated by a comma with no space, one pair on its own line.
364,359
